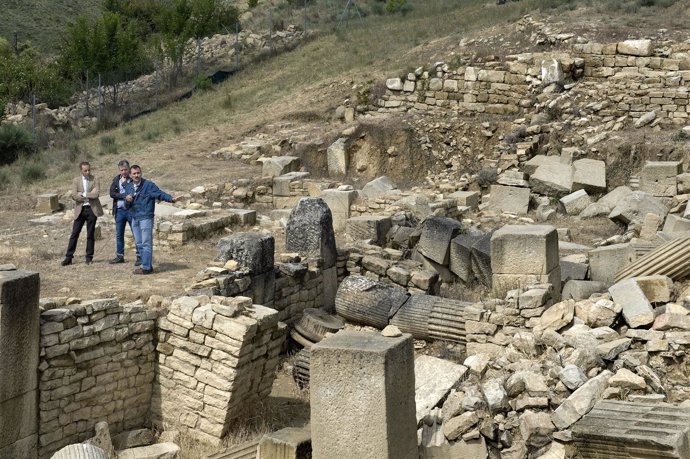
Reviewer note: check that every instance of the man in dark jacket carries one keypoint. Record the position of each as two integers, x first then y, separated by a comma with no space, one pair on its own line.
141,196
121,212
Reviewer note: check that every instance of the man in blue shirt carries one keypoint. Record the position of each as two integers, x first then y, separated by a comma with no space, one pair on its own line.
121,211
141,196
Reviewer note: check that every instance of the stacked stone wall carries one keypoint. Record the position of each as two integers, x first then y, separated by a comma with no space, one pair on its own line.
97,363
217,357
634,84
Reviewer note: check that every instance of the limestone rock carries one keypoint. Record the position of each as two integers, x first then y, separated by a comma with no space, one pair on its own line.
581,401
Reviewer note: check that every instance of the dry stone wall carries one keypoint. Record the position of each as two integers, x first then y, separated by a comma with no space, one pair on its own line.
97,363
216,356
629,79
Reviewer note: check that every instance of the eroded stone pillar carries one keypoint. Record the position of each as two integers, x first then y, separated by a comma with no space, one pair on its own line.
19,348
362,397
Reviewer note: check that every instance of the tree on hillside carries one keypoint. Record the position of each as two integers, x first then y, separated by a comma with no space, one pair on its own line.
107,47
28,74
189,19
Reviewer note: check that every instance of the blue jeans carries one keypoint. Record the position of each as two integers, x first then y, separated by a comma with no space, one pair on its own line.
122,217
143,236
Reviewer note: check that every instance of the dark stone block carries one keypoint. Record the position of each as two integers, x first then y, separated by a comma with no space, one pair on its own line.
253,251
309,231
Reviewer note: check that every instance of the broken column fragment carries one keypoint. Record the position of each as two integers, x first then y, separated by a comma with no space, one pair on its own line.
372,414
367,301
618,429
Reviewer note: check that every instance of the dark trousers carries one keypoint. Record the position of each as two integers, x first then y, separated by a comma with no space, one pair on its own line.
86,216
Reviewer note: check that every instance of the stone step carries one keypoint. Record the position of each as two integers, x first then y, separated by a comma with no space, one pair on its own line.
248,450
634,182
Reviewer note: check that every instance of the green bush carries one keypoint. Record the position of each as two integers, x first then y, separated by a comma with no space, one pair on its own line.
203,84
32,172
394,6
252,3
108,145
14,141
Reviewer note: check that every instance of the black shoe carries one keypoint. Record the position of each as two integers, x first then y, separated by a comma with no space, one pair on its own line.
88,261
116,260
138,261
143,271
66,261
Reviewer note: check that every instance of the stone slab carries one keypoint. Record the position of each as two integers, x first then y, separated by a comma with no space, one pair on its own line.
434,378
524,249
511,199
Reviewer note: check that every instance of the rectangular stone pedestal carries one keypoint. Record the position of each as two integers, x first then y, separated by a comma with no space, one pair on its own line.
362,397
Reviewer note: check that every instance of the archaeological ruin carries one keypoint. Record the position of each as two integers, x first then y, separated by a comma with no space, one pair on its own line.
449,319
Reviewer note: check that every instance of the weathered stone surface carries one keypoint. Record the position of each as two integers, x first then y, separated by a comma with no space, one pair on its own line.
658,178
635,47
637,311
633,207
580,402
572,376
580,290
557,316
133,438
157,451
611,349
80,451
536,428
524,249
434,378
380,186
461,254
363,300
252,251
633,430
309,231
279,165
589,175
337,158
435,239
626,379
511,199
287,443
551,72
574,203
605,262
552,179
339,202
455,427
372,415
370,227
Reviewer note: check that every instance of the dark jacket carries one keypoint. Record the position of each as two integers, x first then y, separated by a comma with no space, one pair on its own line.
115,192
145,197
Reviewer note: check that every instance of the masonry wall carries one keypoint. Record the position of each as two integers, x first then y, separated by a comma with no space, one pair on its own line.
625,85
217,357
19,331
97,363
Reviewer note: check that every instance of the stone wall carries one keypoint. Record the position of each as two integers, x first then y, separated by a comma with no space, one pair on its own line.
628,78
217,357
97,363
19,332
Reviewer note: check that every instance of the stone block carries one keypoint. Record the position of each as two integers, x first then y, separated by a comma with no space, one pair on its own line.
574,203
287,443
637,310
369,227
279,165
589,175
281,184
573,271
524,249
47,203
330,288
337,158
605,262
460,254
380,186
641,47
434,242
466,198
657,288
530,167
580,402
434,378
676,224
339,202
658,178
252,251
481,259
509,199
552,179
372,414
309,231
633,207
582,289
501,284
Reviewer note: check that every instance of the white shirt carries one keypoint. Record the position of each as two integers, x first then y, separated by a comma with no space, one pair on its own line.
85,181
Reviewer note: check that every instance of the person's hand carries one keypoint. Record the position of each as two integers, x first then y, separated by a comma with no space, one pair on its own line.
129,198
176,198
